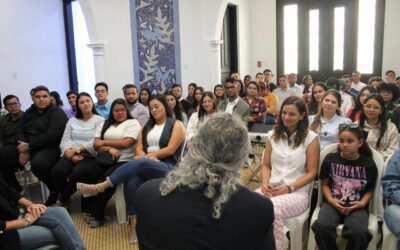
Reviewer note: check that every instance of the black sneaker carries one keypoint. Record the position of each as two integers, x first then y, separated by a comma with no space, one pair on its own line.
51,200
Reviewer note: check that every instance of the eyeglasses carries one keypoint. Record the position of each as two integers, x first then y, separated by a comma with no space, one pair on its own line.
368,106
345,125
13,104
101,91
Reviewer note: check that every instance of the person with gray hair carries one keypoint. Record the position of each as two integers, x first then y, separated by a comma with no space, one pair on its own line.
203,203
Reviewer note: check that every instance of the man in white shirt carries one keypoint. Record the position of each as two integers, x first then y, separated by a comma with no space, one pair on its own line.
283,91
234,104
293,84
356,84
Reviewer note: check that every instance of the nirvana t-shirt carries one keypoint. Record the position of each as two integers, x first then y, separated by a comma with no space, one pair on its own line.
349,180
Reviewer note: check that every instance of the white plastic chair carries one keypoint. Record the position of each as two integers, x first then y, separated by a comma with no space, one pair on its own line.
295,225
373,205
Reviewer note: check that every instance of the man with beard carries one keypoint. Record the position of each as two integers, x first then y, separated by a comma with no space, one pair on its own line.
137,110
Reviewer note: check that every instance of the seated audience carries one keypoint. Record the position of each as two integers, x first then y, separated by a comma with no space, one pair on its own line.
56,99
38,227
102,105
390,94
356,83
391,190
318,91
240,88
347,100
137,110
257,105
208,106
144,96
71,96
197,95
38,137
271,101
375,82
390,76
355,113
10,122
219,93
348,179
233,104
307,84
190,98
268,80
283,91
177,92
157,151
347,83
115,137
76,149
203,193
382,135
246,80
326,121
290,164
175,107
292,79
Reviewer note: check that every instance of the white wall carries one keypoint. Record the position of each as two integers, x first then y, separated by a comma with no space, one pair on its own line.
32,48
391,48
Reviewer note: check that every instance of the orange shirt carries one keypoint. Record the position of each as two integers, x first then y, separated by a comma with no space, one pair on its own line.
271,100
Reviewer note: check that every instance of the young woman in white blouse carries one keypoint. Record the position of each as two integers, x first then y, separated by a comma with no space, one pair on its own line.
76,146
326,121
290,164
207,107
382,135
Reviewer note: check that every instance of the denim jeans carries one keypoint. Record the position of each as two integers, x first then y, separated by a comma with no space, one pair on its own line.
53,227
133,174
392,220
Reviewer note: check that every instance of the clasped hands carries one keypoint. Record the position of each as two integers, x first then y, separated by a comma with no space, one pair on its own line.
272,190
343,208
33,212
24,155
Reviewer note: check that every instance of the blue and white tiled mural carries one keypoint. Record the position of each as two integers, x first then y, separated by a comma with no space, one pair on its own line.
156,50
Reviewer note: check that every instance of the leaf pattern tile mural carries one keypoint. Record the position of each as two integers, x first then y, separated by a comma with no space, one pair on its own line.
156,50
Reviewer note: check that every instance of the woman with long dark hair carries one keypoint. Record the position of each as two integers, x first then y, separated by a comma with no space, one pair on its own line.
355,113
176,108
258,109
290,164
157,151
219,93
208,106
317,92
144,96
382,135
76,147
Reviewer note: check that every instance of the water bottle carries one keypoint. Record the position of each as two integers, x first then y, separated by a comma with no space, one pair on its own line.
27,166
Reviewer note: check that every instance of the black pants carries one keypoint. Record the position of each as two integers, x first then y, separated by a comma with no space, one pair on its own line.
102,198
355,228
66,174
42,162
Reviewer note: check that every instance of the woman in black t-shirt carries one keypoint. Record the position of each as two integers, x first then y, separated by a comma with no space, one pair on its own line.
348,180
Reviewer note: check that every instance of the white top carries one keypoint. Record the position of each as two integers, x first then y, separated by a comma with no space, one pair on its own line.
289,164
347,103
129,128
230,105
390,140
329,130
153,138
79,132
282,95
192,125
297,88
358,86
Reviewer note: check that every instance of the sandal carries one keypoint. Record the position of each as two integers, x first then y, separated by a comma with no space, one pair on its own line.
88,190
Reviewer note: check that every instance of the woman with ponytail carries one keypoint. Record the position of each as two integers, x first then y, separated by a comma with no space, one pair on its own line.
348,180
326,121
382,135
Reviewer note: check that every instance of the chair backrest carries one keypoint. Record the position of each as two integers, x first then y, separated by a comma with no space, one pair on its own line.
377,157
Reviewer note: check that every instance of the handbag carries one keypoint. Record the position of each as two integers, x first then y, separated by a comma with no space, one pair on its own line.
105,159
